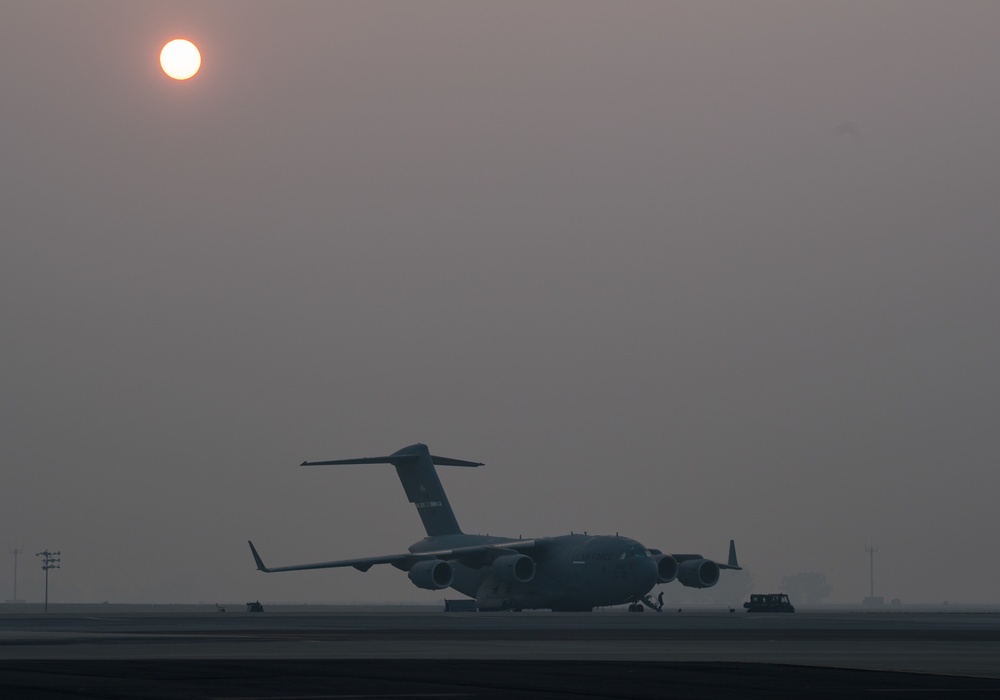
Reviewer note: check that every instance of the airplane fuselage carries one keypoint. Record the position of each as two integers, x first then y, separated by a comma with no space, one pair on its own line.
572,572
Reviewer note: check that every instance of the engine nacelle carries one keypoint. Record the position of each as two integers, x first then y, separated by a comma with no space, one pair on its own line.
513,568
432,574
698,573
666,567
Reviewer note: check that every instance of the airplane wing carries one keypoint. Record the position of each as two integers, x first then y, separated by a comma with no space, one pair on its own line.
475,555
362,564
732,563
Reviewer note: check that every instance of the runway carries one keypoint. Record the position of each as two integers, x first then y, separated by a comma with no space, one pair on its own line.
601,654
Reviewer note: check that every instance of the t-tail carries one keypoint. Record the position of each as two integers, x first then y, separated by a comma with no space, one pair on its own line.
415,467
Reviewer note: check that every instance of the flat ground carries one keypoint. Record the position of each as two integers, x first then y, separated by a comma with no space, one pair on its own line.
401,653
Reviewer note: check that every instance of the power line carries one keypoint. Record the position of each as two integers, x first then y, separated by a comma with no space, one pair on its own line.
49,561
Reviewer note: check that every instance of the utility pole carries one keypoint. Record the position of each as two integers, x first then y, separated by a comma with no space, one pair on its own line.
15,552
49,561
871,568
871,599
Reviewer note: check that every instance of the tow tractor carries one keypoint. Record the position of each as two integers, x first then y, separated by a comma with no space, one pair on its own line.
769,602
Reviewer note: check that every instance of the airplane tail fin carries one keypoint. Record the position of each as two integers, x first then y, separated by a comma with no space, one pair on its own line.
415,467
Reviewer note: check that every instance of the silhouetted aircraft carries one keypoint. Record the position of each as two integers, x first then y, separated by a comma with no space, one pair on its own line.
569,572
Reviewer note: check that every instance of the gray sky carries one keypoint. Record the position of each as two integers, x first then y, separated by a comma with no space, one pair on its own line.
626,254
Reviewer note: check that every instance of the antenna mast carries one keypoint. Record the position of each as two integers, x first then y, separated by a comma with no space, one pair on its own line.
15,551
872,600
871,566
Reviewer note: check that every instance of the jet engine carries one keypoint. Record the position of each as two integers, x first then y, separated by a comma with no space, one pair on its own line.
698,573
513,568
666,567
431,574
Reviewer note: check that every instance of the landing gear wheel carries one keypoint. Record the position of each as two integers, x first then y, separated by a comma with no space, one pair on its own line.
635,607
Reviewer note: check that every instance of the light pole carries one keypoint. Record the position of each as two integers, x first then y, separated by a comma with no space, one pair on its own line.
48,562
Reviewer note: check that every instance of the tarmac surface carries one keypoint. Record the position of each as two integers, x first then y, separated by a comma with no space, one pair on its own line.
427,654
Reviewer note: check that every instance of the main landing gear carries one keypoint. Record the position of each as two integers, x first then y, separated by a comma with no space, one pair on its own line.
636,605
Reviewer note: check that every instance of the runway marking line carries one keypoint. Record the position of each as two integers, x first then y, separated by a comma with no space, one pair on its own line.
332,697
950,691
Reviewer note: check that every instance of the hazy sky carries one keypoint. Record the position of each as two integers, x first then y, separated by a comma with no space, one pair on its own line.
684,271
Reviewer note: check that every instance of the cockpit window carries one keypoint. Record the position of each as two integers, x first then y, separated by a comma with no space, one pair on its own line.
635,551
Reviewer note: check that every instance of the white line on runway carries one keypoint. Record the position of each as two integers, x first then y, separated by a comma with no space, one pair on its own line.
949,691
331,697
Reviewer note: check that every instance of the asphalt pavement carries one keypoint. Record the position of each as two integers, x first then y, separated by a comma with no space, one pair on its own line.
435,654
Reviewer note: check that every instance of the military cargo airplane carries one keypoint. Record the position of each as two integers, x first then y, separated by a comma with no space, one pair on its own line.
575,572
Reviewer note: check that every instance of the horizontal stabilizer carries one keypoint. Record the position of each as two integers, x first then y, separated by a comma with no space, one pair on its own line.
394,459
414,465
360,460
449,462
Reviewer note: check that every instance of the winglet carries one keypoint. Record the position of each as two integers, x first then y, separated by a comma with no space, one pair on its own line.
256,558
732,564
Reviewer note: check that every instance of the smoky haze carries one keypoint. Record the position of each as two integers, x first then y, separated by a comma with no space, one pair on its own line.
683,271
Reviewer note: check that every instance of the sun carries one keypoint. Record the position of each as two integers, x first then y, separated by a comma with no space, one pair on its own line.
180,59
